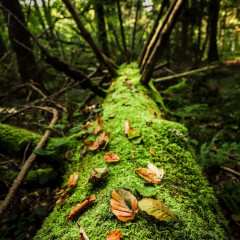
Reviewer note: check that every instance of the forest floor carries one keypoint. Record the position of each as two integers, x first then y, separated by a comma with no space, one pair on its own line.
206,103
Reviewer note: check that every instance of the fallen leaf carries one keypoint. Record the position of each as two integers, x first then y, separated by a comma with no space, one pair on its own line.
111,157
148,123
101,141
83,150
152,174
152,152
127,126
132,133
114,235
145,191
83,235
124,205
132,152
99,127
156,208
71,182
98,173
87,125
81,207
68,155
62,198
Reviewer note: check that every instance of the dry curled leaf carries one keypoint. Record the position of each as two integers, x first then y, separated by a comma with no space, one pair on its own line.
101,141
111,157
81,207
127,126
71,182
124,205
152,174
99,127
83,235
62,198
98,173
156,208
114,235
152,152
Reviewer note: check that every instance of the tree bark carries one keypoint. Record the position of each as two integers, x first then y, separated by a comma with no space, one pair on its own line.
86,35
214,6
162,41
3,48
183,189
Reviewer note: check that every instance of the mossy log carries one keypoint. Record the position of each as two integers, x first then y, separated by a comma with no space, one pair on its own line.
183,189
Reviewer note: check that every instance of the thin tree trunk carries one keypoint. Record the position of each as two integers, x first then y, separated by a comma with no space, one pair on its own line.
214,6
86,35
160,13
121,27
162,41
156,35
20,40
135,26
102,33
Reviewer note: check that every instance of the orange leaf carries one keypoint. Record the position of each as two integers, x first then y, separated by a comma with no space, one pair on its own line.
114,235
127,126
124,205
151,174
81,207
62,198
152,152
71,182
101,141
99,127
111,157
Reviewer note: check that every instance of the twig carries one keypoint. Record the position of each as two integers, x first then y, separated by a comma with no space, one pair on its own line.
29,161
230,170
2,163
26,149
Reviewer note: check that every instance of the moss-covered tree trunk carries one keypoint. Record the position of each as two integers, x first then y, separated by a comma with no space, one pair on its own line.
183,189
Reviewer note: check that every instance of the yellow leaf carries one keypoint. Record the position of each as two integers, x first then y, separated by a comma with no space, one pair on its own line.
156,209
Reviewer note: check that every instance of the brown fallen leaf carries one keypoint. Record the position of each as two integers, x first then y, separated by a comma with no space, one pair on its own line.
69,154
99,127
81,207
111,157
101,141
152,152
98,173
127,126
114,235
87,125
71,182
124,205
156,208
62,198
152,174
83,235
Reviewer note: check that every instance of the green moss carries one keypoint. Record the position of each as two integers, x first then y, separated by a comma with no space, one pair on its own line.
184,190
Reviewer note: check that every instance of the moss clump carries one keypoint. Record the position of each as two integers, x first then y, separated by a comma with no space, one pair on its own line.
183,189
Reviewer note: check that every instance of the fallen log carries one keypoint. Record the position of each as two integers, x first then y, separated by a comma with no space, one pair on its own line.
179,75
183,189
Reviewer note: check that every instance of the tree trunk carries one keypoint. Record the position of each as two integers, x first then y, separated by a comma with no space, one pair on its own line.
3,48
160,13
214,6
134,27
156,35
20,40
87,36
183,189
102,33
148,67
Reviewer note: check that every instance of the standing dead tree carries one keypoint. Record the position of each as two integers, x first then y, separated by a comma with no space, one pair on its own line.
160,39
